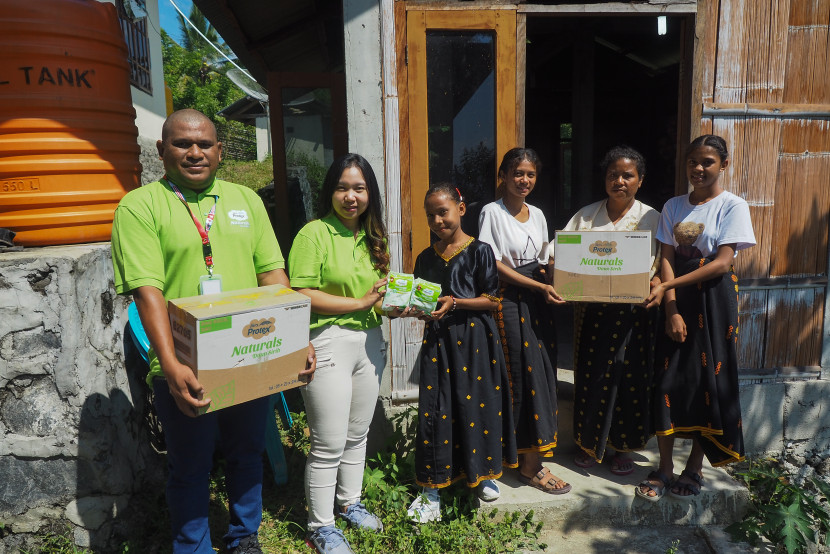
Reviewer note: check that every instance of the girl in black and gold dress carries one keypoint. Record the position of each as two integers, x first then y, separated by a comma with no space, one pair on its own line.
465,424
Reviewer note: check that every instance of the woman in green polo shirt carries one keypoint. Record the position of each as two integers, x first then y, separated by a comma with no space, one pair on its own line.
340,262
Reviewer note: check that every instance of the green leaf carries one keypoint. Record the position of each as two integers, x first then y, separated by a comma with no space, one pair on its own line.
791,526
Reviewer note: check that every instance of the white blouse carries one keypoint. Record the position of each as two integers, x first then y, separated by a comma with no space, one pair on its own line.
514,243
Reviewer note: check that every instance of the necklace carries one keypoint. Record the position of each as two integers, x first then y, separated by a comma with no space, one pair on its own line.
455,253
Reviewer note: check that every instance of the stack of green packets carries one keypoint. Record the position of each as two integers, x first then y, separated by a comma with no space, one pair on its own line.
404,290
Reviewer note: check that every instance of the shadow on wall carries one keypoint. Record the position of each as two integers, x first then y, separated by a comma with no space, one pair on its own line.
117,471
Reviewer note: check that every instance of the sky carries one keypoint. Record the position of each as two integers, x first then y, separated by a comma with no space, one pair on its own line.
169,21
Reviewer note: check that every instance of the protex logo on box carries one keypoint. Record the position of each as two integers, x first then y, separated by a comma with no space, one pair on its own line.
258,329
603,248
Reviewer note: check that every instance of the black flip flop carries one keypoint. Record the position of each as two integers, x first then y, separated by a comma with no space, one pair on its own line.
692,489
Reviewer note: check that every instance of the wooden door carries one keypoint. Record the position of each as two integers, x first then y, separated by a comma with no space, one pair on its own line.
458,113
461,86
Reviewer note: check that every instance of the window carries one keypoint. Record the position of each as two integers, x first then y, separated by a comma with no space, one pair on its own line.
133,17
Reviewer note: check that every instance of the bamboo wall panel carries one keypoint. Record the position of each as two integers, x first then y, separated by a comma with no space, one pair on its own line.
820,82
794,315
753,143
766,30
730,78
807,71
777,40
772,56
405,378
800,243
752,328
706,51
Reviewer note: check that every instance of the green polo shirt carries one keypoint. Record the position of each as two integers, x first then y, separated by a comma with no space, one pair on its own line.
155,242
327,256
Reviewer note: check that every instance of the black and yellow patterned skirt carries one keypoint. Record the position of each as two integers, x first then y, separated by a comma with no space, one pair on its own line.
528,336
696,393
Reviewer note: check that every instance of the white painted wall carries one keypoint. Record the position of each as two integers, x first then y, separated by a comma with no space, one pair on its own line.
151,109
364,114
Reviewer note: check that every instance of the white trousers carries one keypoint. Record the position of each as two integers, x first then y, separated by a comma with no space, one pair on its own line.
339,404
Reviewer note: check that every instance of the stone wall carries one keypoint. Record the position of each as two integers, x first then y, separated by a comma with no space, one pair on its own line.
73,444
791,418
152,169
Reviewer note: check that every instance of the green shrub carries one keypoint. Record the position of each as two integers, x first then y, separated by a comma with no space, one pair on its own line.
783,513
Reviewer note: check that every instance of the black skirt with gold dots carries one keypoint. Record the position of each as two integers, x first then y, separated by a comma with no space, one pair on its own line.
528,337
465,427
613,377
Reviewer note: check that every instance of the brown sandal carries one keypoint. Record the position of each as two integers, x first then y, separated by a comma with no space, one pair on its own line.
545,481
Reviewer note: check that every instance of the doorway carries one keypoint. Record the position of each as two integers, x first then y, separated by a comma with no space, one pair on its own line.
595,82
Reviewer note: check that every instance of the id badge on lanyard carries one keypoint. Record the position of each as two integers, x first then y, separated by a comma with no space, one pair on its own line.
210,283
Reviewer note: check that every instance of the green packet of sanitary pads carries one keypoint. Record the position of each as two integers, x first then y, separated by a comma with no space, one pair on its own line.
398,290
425,296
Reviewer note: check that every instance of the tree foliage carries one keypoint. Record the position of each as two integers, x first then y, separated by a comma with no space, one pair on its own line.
193,41
207,92
194,83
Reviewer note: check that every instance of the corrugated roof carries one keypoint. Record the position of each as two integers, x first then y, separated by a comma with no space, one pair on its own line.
280,35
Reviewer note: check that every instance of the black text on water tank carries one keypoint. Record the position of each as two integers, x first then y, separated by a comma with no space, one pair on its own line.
71,77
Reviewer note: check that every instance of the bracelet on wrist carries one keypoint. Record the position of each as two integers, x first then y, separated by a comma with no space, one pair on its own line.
454,305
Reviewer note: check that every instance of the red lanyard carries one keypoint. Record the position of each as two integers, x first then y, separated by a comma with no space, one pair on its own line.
203,231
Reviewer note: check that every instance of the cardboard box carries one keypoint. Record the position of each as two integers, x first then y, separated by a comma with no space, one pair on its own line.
242,344
602,266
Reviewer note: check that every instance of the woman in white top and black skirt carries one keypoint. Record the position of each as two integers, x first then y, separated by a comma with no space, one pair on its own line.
614,343
518,234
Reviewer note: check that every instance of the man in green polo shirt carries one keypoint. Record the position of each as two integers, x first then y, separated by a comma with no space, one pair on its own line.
188,234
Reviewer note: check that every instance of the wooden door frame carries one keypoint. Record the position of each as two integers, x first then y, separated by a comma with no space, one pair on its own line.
413,107
406,334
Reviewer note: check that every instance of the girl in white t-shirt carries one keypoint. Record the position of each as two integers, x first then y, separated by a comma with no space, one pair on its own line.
696,366
518,234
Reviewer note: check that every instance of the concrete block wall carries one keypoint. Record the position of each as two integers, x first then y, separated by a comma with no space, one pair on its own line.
73,445
792,417
778,418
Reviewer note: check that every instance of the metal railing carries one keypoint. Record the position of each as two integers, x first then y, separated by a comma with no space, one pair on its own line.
138,49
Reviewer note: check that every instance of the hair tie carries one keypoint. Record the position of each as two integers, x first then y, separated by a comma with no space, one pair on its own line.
460,198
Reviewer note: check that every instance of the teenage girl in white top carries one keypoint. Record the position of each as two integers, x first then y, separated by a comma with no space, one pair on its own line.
518,235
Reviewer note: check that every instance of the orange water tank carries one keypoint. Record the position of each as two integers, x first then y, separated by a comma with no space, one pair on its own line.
68,140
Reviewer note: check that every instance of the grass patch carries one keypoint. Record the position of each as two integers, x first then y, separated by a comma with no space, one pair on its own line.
389,488
57,542
251,174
